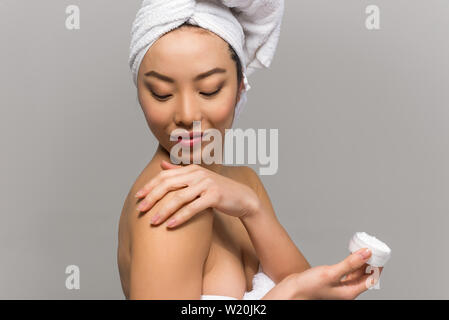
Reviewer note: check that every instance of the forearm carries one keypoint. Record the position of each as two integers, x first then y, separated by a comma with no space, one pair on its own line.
287,289
277,253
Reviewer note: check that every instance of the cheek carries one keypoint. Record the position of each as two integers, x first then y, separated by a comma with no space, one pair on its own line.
157,117
222,110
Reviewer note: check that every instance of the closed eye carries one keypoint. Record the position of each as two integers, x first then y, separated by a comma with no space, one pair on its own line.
161,98
210,94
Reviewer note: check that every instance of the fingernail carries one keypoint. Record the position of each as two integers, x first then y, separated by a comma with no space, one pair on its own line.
138,194
365,253
155,218
171,223
141,205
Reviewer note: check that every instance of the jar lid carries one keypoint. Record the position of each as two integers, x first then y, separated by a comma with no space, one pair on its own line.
380,252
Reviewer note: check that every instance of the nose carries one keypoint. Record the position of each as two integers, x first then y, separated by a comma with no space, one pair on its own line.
187,111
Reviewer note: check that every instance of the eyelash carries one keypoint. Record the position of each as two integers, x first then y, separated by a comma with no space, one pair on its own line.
212,93
164,98
160,98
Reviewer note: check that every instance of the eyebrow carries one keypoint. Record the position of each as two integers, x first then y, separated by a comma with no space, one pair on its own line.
197,78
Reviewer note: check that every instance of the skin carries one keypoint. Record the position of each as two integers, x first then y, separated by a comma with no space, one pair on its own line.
175,57
224,221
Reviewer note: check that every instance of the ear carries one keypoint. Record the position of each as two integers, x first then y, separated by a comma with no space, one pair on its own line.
240,89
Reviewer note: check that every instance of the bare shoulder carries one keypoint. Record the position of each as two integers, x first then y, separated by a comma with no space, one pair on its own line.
137,220
165,263
129,210
149,172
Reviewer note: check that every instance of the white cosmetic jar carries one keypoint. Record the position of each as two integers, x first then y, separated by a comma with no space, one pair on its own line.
380,252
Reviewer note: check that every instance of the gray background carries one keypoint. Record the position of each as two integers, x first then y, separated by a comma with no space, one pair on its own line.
363,125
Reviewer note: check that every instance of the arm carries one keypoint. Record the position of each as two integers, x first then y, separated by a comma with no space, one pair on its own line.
165,263
344,280
246,200
277,253
284,290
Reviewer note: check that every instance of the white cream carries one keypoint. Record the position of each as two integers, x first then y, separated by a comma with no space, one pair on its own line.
380,251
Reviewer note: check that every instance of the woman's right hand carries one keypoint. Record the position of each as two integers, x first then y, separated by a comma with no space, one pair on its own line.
325,282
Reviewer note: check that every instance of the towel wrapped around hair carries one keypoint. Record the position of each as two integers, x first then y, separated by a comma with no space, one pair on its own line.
251,27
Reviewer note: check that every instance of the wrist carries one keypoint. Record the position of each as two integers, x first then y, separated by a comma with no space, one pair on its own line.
292,289
297,287
253,207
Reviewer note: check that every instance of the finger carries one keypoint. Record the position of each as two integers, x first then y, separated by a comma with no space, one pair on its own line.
161,176
350,264
373,273
356,287
182,197
350,289
169,184
188,211
366,268
355,274
169,165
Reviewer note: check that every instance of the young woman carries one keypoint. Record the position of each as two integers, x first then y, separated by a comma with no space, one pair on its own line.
225,230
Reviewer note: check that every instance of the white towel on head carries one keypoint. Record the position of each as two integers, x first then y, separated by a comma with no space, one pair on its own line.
251,27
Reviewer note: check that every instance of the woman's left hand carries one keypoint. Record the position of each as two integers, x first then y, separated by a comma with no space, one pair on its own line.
196,189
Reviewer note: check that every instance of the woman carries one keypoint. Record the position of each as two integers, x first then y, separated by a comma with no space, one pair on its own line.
225,231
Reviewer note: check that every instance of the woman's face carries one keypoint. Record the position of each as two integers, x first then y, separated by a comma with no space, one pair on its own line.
187,75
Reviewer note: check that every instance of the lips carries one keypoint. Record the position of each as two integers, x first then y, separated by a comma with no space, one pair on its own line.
193,138
190,135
